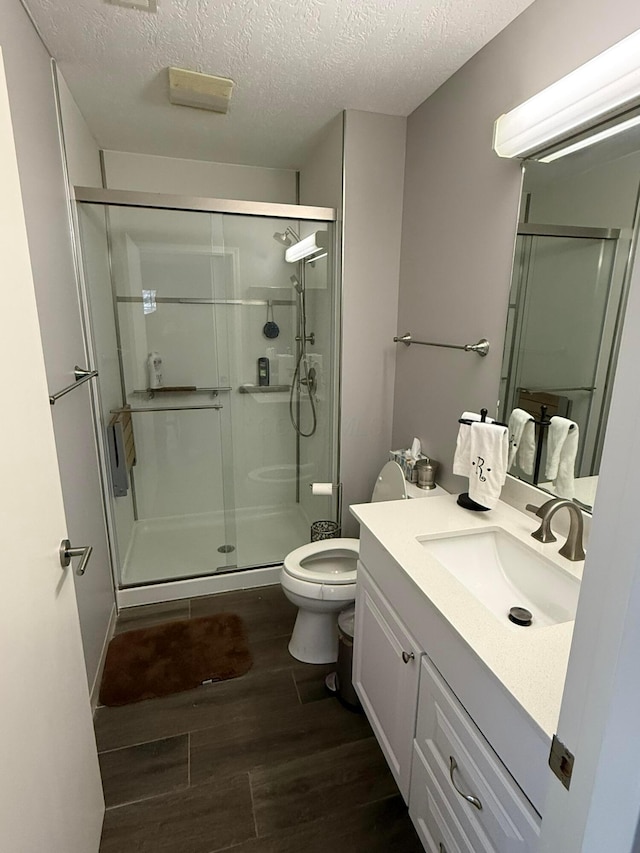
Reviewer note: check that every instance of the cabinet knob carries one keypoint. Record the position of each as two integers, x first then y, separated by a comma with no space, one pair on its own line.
407,656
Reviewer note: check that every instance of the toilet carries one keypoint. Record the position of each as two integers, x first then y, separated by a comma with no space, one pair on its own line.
320,579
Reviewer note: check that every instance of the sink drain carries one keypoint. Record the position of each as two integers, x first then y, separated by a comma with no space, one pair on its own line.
226,549
520,616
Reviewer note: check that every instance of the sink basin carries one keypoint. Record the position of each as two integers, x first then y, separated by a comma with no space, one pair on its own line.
502,572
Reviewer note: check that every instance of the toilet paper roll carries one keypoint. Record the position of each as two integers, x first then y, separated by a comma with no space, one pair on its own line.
322,488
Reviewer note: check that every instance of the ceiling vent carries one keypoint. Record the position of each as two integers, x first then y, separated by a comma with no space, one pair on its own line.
202,91
143,5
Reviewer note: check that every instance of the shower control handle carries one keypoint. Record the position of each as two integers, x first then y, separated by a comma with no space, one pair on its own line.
67,552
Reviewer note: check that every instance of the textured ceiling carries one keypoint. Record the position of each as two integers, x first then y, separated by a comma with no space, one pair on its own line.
296,64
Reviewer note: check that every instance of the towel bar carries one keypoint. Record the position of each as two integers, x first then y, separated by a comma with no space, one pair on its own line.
81,375
482,347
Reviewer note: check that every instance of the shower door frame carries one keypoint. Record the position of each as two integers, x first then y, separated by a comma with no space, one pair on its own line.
239,579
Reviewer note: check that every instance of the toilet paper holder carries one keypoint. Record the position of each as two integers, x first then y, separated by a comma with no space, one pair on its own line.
328,490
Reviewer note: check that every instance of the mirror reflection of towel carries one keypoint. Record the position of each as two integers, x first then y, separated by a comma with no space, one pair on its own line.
562,449
522,440
488,457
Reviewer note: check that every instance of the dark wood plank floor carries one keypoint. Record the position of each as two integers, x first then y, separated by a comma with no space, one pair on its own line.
266,763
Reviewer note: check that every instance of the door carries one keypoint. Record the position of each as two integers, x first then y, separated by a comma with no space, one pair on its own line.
386,677
50,793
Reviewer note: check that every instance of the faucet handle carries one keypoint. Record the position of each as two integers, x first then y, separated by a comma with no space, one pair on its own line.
543,533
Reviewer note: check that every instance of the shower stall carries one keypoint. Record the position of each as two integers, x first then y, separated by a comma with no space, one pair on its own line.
216,402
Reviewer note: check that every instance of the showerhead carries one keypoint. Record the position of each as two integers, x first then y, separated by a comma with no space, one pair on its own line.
295,281
283,237
287,237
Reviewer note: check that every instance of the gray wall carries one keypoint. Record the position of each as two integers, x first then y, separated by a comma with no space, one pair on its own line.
374,149
31,97
460,213
150,173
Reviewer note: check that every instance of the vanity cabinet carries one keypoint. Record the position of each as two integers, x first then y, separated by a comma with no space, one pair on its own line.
461,797
386,671
456,769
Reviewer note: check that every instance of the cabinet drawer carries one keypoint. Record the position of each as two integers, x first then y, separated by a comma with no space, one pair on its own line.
463,763
436,824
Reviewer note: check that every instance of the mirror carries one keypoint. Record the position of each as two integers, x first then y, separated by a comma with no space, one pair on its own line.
576,234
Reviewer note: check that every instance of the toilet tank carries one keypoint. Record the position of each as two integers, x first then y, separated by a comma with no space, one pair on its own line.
392,486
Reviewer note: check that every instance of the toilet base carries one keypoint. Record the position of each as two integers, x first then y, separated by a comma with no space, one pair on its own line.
315,637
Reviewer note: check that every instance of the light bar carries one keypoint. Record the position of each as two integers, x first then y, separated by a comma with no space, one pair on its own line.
316,242
605,84
591,140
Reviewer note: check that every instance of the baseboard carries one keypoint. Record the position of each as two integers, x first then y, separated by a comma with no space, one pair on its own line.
97,681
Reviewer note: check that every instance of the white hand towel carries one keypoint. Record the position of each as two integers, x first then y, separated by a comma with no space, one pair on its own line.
522,440
562,448
461,460
489,454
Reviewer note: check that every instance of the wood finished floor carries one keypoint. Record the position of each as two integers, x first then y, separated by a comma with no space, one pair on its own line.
265,763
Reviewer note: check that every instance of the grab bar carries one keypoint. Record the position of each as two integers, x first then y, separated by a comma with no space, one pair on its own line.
482,347
82,375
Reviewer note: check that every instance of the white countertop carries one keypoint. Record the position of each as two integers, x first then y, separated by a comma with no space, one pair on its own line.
530,663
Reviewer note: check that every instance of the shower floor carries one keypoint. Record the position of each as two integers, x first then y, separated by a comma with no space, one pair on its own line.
164,549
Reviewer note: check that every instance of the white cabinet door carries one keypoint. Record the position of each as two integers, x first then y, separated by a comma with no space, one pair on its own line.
386,671
50,792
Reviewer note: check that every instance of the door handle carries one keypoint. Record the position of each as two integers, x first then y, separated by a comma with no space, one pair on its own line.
67,552
407,656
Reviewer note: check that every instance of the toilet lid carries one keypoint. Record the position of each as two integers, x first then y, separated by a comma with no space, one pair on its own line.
332,562
390,485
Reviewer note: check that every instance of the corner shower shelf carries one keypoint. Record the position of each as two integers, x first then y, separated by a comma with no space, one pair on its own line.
263,389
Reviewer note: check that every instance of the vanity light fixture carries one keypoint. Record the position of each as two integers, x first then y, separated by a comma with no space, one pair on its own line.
316,242
607,84
592,139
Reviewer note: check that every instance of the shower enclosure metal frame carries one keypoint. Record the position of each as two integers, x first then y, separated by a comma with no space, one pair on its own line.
521,272
161,201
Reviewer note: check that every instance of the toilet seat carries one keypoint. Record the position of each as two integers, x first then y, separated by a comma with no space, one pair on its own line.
331,562
314,591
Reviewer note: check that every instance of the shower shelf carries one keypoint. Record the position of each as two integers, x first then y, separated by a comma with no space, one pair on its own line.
150,393
183,300
263,389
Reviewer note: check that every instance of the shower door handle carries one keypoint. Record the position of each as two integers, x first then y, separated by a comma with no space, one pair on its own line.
67,552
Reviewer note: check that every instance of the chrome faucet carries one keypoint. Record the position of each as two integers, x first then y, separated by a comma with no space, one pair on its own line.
572,548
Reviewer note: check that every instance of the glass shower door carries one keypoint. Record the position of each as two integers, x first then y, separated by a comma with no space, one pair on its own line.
217,411
164,372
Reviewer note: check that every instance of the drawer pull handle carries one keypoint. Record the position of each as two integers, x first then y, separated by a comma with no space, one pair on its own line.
407,656
453,765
